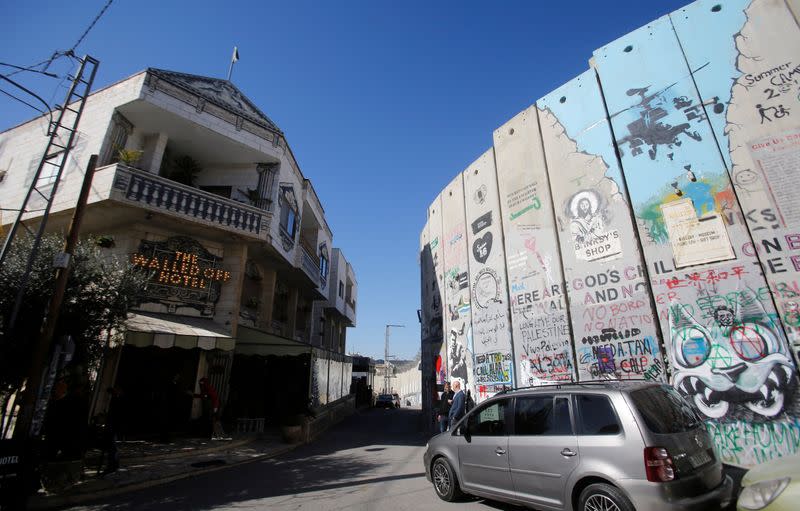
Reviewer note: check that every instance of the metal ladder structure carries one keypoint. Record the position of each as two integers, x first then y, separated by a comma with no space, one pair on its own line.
62,134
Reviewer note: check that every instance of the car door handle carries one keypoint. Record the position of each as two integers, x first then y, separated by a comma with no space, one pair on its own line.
568,452
499,451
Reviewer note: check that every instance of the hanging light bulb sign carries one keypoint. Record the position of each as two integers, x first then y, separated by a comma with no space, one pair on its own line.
181,269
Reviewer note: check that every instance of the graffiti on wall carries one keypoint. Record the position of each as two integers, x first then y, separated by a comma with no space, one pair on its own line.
735,360
609,307
587,226
493,373
725,340
457,289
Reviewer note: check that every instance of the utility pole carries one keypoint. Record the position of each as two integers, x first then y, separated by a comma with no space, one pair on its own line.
386,378
34,400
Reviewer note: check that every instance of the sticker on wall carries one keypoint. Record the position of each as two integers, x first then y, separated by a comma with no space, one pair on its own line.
487,288
695,240
482,247
482,222
587,226
480,195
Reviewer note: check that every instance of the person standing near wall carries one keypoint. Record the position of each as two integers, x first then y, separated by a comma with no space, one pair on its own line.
457,408
444,408
211,403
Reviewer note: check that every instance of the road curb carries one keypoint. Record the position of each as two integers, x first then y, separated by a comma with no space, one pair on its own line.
221,446
41,503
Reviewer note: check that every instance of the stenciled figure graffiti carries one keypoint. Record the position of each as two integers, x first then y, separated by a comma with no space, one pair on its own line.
458,356
737,361
776,111
586,224
724,317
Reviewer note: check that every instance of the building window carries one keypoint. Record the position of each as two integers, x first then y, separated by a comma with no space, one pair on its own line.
280,303
323,261
289,212
120,129
266,183
341,289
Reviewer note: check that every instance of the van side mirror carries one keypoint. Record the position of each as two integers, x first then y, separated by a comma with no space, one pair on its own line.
463,430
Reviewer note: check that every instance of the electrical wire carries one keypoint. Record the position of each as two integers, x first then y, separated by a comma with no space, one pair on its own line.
23,101
15,84
58,54
20,68
91,26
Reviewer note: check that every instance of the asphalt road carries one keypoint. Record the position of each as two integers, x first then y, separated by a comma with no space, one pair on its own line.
370,461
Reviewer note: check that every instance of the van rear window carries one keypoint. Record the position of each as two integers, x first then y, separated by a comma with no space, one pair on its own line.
664,410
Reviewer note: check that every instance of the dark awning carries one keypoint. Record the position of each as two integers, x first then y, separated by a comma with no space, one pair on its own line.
252,341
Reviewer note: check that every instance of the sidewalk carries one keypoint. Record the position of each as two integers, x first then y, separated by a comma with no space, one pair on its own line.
144,464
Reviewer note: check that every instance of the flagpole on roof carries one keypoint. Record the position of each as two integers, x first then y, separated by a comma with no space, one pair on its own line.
234,58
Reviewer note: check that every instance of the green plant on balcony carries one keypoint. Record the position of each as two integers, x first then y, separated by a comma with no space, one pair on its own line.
129,157
105,241
184,170
252,302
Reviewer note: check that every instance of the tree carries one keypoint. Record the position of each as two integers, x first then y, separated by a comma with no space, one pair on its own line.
100,290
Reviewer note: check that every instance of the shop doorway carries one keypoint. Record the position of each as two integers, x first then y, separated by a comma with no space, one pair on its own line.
156,385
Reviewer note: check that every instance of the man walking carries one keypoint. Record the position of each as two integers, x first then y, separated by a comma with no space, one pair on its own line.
457,409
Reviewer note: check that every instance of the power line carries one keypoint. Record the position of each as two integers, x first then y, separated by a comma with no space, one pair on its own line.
15,84
22,101
91,25
46,62
20,68
58,54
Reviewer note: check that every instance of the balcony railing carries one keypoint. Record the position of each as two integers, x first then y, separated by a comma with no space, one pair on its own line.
309,265
165,195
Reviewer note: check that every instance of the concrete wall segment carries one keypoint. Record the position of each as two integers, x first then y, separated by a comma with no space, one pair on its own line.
750,87
491,321
457,307
540,326
437,324
614,331
727,351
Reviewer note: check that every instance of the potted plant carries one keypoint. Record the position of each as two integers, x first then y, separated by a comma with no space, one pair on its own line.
105,241
129,157
184,170
252,303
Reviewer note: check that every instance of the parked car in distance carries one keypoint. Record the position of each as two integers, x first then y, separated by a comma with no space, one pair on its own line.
772,486
612,446
387,401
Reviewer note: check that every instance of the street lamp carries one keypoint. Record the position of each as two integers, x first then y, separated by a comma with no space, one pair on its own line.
386,358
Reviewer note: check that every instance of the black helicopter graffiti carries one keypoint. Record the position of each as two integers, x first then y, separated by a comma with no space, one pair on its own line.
649,130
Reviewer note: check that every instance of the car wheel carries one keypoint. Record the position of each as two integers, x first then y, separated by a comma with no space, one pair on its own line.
603,497
444,481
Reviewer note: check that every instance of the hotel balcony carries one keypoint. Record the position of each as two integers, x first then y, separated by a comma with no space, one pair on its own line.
139,189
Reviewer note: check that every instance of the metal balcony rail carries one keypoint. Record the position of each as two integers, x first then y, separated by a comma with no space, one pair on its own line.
161,193
309,265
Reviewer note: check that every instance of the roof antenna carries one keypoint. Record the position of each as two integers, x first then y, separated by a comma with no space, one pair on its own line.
234,59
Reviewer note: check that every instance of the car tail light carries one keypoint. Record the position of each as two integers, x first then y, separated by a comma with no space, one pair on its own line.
658,465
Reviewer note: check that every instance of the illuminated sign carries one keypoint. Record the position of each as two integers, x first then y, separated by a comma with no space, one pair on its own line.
181,269
183,274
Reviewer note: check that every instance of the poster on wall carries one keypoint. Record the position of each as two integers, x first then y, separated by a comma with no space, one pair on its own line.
778,159
695,240
592,241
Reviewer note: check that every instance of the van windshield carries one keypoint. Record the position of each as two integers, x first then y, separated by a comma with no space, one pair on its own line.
664,410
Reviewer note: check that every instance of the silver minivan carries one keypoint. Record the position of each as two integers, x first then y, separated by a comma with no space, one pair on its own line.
588,447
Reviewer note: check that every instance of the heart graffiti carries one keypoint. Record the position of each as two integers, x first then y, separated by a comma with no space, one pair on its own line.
482,247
